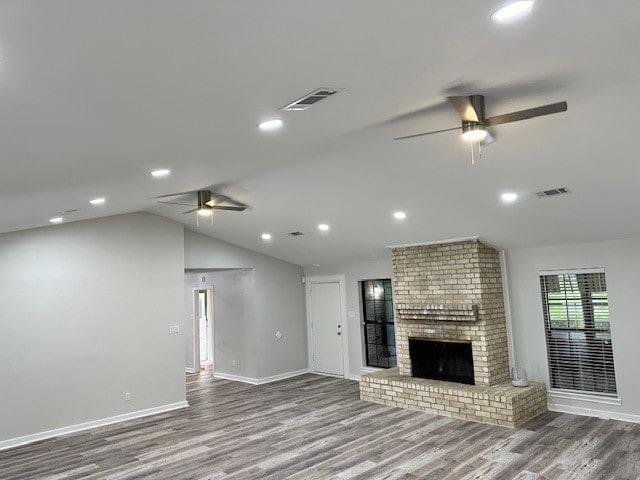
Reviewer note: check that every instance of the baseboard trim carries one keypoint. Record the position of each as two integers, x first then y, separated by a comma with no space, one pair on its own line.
605,415
15,442
282,376
259,381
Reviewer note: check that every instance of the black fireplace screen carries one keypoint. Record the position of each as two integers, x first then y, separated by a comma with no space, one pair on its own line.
436,360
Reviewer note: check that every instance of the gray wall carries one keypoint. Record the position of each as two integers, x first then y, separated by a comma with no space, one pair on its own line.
279,306
354,273
85,310
621,261
234,319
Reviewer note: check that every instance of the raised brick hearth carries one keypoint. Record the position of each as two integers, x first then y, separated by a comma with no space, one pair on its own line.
501,404
453,292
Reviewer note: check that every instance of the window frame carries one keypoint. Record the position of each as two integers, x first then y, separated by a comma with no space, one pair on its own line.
589,329
366,323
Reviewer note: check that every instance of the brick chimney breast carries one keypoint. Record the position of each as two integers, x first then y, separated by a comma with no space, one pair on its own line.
452,291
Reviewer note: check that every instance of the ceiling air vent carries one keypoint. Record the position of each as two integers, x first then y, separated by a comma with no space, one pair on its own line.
553,192
295,234
309,99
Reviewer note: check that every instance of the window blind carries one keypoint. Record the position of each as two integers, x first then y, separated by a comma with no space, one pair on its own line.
578,333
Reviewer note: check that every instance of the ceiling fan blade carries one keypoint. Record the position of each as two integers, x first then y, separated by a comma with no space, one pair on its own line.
526,114
235,209
217,199
176,194
226,199
427,133
190,211
177,203
470,108
235,202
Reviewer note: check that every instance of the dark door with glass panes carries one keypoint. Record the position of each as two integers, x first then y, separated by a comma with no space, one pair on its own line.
379,328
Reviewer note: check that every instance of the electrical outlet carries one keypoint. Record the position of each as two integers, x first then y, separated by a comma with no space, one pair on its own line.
174,329
235,363
127,396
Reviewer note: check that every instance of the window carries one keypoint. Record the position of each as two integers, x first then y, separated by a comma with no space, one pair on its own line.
577,327
379,328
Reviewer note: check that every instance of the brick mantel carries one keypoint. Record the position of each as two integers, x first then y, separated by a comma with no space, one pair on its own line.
444,313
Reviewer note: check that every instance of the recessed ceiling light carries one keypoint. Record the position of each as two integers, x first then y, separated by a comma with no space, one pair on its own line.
266,236
512,11
268,125
97,201
399,215
509,197
56,220
163,172
323,227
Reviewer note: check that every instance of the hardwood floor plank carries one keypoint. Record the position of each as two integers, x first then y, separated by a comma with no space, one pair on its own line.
313,427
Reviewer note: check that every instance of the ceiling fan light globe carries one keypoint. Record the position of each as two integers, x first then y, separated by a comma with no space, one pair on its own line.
475,135
204,212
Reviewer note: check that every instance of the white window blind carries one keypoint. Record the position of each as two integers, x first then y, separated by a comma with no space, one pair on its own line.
578,334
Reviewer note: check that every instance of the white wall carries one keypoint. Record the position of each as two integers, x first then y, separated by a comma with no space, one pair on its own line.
85,310
279,306
234,319
621,261
354,273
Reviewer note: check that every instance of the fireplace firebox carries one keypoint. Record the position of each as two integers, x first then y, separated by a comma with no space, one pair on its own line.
451,361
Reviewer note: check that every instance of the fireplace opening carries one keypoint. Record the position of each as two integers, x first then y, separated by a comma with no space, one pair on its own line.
451,361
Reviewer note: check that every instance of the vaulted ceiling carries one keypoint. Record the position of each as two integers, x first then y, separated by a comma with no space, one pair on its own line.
94,95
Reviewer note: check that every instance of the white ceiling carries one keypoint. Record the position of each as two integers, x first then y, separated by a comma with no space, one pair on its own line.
95,94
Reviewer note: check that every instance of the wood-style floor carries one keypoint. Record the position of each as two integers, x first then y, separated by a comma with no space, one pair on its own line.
313,427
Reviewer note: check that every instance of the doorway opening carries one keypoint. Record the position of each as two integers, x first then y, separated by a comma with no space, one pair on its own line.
203,327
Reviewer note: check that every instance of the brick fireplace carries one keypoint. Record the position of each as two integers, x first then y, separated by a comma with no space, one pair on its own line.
447,297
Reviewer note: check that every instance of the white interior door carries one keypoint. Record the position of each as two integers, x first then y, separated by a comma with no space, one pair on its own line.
326,318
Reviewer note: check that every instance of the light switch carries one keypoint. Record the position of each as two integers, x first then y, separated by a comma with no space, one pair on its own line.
174,329
278,334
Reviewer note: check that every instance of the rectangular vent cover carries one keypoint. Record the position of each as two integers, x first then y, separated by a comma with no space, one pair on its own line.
295,234
309,99
553,192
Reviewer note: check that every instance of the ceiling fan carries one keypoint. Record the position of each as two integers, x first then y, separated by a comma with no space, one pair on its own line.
475,124
204,202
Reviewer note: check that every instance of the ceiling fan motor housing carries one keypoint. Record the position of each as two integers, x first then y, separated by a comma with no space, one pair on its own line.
204,196
472,126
